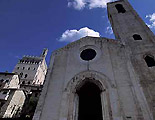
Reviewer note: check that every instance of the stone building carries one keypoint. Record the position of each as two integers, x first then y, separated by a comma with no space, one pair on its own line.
103,79
11,97
20,90
32,71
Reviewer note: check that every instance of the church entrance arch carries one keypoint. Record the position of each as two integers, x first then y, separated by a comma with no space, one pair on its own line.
88,97
90,107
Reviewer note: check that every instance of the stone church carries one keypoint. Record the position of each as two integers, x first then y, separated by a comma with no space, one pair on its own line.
103,79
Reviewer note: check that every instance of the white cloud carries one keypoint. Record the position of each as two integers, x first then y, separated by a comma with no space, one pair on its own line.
109,30
152,20
72,35
77,4
80,4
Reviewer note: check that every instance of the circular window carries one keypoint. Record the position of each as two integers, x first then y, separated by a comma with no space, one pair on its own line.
88,54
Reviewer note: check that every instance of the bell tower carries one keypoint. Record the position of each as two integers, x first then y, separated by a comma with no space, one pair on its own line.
139,40
127,24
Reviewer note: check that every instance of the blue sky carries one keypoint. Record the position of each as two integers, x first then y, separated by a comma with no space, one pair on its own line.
28,26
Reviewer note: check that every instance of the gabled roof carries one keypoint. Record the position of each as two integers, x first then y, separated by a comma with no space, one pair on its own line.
97,39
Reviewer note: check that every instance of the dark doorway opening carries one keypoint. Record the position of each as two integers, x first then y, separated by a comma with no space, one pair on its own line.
120,8
90,107
150,61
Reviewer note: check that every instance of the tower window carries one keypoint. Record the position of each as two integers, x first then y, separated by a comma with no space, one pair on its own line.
150,61
29,68
23,68
25,75
21,74
29,82
90,107
18,68
88,54
137,37
21,61
120,8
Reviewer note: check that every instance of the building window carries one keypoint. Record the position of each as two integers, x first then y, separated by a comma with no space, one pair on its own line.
120,8
28,68
7,81
23,68
29,82
5,92
88,54
2,80
137,37
21,61
34,68
26,75
13,109
23,82
90,107
18,68
150,61
21,74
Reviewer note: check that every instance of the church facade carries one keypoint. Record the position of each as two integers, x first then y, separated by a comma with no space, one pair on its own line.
103,79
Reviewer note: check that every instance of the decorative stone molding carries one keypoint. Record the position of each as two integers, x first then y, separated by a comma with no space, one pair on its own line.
102,81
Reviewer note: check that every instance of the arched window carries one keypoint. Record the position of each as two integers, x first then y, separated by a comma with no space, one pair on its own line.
26,75
23,68
90,107
29,82
137,37
28,68
150,61
120,8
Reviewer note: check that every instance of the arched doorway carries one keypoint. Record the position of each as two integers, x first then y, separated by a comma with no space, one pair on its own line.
90,107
